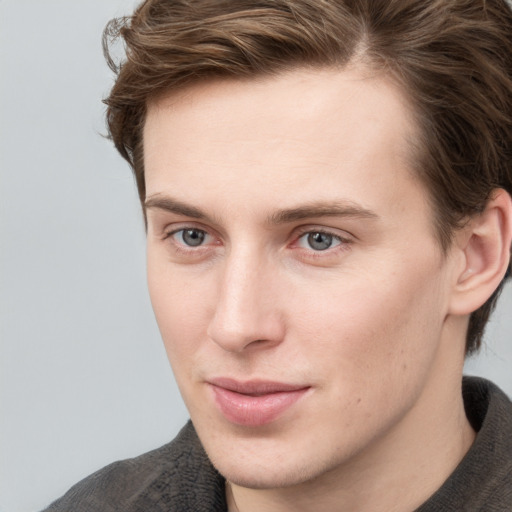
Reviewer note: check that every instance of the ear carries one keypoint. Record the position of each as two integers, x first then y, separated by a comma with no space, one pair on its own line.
485,245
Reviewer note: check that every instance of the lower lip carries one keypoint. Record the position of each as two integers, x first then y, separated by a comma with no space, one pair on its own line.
254,411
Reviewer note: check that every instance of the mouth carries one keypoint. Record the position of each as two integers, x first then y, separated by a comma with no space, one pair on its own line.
254,403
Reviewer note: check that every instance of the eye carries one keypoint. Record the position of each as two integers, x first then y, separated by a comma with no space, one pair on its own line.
318,241
191,237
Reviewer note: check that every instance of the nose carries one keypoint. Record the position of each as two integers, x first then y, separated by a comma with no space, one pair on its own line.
247,312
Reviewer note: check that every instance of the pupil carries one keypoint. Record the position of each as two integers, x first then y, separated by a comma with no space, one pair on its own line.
193,237
319,241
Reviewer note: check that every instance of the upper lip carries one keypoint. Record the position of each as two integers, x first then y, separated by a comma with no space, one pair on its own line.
256,386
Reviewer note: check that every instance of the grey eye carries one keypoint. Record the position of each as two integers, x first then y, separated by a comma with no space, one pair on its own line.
192,237
319,241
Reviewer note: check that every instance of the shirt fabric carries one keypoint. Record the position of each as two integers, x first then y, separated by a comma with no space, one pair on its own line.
178,477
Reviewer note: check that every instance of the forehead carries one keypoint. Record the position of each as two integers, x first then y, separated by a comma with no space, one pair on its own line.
303,136
298,102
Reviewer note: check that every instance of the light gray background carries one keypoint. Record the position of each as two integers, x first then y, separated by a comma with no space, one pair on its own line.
84,377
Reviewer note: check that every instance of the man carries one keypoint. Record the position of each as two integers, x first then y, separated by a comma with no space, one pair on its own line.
326,188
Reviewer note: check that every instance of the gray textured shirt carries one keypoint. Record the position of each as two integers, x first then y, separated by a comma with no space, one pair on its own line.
178,477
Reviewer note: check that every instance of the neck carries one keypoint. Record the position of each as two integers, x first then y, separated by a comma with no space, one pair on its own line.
398,472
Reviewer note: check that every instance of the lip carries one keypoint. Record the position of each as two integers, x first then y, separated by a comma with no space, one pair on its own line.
256,402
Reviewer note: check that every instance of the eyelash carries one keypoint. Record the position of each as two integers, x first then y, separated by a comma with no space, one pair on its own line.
342,242
183,248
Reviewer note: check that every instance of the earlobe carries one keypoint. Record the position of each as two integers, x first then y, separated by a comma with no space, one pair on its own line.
485,243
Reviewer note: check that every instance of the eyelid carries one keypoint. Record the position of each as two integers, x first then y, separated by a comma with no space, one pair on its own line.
181,242
171,232
345,241
211,240
335,238
344,238
341,235
176,227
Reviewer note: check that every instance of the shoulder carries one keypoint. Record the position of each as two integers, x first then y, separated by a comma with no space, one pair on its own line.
490,412
176,477
483,480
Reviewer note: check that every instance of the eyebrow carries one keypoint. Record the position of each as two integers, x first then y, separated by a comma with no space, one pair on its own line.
310,210
174,206
322,209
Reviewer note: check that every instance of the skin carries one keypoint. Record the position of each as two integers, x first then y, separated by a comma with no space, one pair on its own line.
365,324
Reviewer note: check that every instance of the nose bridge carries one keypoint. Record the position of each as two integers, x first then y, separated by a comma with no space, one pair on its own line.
246,310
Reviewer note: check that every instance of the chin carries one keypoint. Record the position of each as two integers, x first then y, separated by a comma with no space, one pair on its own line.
270,471
265,478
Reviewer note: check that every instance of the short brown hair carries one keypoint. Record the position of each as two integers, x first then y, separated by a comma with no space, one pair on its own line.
452,57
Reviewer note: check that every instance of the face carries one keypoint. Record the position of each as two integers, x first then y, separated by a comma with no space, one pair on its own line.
293,269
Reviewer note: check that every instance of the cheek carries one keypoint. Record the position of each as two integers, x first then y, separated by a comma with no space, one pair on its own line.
181,308
373,328
372,351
